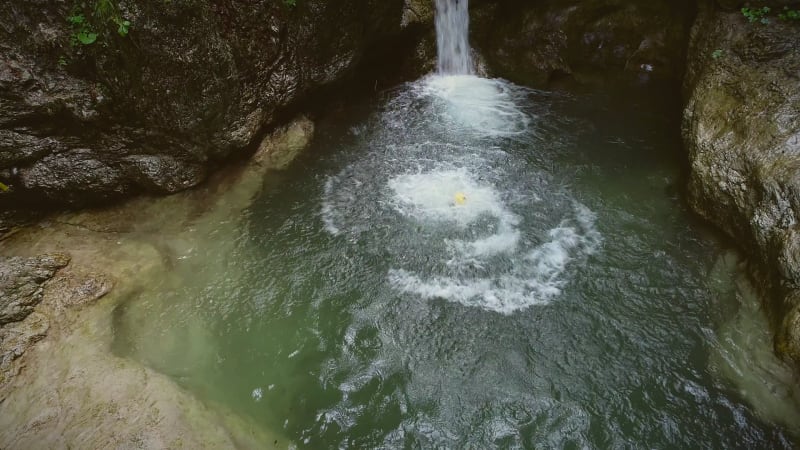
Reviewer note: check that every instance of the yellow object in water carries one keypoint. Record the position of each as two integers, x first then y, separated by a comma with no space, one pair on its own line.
460,198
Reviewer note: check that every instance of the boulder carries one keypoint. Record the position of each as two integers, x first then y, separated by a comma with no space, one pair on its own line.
540,42
192,83
21,283
741,126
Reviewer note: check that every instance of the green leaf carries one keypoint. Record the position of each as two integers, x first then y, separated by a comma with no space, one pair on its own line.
4,188
123,27
76,19
87,38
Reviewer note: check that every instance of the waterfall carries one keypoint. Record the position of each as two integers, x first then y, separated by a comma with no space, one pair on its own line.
452,37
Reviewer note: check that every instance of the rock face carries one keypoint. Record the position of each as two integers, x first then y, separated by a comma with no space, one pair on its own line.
21,284
193,83
536,42
22,287
741,125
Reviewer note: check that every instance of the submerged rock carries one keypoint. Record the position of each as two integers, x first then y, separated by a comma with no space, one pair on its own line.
76,394
282,146
741,124
15,340
191,84
72,287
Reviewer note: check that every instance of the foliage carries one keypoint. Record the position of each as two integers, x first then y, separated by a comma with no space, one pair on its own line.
718,53
88,21
84,32
760,14
290,3
756,14
4,188
789,14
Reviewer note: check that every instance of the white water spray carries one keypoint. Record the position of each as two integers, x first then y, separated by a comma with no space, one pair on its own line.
452,37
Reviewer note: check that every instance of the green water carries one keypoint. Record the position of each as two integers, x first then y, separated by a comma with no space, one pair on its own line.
463,263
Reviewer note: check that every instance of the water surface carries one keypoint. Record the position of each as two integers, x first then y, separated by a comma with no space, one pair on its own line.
465,263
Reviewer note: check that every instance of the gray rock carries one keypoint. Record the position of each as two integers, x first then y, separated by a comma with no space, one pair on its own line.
21,283
741,125
15,339
419,12
536,43
194,83
164,174
19,148
74,287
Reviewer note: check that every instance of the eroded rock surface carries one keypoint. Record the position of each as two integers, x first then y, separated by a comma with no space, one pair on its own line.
21,283
741,125
193,83
70,390
22,287
540,42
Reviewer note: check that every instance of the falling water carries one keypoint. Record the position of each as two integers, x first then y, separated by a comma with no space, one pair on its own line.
452,37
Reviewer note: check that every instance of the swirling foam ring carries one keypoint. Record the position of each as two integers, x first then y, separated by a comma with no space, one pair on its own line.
536,279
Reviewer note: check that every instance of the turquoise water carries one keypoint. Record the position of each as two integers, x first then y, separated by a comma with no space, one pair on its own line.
464,263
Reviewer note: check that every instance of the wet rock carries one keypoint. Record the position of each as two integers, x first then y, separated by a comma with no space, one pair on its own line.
15,340
21,283
419,12
12,220
74,393
73,176
72,287
542,42
282,146
164,174
192,84
741,125
18,148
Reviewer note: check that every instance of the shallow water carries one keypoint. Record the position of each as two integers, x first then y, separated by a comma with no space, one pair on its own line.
467,264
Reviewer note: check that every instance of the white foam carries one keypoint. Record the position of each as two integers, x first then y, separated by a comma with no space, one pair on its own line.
536,278
453,187
551,258
432,196
505,241
505,294
328,209
488,106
